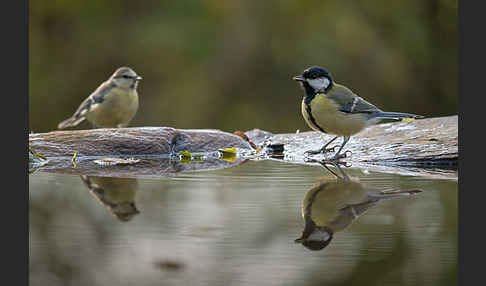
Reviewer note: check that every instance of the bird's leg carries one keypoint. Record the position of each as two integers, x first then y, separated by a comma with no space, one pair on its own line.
339,156
324,148
344,176
336,164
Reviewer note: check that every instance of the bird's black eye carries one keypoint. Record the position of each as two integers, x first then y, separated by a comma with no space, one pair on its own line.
123,76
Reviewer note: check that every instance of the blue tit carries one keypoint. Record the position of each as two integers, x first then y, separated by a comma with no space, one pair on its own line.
332,205
116,194
334,109
113,104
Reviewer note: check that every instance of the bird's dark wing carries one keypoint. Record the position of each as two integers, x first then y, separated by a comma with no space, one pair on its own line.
93,100
358,209
87,105
349,102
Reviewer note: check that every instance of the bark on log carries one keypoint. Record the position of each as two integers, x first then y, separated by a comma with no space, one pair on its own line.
150,145
132,141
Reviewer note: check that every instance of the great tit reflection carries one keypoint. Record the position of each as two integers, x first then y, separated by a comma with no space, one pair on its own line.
332,204
116,194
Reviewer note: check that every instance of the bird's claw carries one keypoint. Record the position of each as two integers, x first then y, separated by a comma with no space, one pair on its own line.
311,160
327,161
346,154
322,150
332,149
310,152
344,163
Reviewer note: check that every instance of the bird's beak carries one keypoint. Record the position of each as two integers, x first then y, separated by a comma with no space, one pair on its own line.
298,78
138,78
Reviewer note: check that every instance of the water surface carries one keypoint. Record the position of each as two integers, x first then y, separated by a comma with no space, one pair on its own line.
237,226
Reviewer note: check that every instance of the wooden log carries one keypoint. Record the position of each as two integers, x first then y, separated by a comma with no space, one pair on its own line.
431,142
132,141
424,142
151,147
422,147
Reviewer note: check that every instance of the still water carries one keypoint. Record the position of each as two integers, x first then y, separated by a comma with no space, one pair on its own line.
238,226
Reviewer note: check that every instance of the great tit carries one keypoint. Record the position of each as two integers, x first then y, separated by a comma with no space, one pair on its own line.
113,104
334,109
331,205
116,194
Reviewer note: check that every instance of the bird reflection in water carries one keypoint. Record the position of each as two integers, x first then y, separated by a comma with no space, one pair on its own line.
331,205
116,194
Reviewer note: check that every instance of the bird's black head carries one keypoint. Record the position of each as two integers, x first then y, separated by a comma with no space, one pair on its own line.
316,245
315,79
315,238
316,72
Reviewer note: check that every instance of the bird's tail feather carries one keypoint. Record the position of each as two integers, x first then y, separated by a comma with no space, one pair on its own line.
397,115
72,121
390,194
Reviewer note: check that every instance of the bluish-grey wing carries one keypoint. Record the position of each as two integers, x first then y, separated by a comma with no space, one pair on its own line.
349,102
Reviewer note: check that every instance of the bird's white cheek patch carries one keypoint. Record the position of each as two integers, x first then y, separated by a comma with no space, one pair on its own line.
319,236
319,83
326,83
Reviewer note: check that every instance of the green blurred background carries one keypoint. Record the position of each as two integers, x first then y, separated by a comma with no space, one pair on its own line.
228,64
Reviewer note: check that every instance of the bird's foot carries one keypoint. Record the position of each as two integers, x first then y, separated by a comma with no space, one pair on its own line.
319,151
346,154
328,161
